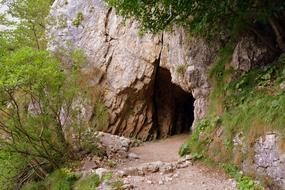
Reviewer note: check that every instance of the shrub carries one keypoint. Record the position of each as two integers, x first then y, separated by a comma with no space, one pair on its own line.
243,182
61,179
39,107
89,183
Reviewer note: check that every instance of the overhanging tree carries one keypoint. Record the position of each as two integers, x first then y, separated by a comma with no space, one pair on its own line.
209,18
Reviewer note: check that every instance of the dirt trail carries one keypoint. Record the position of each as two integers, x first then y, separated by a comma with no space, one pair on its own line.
194,177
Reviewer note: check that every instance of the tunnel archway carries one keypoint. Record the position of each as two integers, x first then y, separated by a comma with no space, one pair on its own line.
174,108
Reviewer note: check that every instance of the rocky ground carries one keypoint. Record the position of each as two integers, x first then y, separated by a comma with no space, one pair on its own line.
157,165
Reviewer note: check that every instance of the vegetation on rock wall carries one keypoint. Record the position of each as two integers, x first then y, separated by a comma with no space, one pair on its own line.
79,18
210,19
248,105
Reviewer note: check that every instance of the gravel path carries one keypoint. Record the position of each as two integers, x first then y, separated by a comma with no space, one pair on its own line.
194,177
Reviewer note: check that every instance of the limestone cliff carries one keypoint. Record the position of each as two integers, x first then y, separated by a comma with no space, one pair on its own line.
128,65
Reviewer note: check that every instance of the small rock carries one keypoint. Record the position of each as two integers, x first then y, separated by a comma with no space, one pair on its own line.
151,167
133,156
189,163
160,182
167,179
137,179
282,86
89,165
96,159
170,175
167,168
126,181
127,187
101,171
184,159
131,171
188,157
180,161
149,182
176,175
122,173
183,165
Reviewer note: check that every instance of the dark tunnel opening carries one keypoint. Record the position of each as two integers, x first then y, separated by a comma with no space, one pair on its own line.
174,107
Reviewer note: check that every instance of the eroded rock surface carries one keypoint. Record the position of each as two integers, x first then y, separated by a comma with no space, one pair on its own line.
125,64
269,159
249,54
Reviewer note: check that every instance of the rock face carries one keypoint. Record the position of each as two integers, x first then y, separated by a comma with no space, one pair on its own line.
269,158
249,54
127,67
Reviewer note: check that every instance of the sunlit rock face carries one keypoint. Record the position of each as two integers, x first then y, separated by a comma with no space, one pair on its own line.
126,65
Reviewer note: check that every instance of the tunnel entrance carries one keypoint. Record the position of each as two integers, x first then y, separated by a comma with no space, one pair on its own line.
174,109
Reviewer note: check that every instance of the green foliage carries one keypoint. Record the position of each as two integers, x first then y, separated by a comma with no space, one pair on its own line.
40,105
34,87
10,164
111,163
62,179
65,179
88,183
42,125
29,28
107,176
256,96
197,156
243,182
218,73
100,115
203,18
118,184
181,69
194,144
79,18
